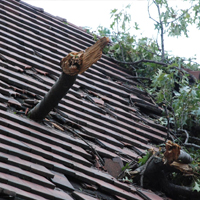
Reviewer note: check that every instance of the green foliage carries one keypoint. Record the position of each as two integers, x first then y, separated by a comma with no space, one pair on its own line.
126,47
183,104
87,29
196,186
176,21
144,159
125,167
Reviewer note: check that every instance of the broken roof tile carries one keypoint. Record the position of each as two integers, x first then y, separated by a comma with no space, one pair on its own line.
39,161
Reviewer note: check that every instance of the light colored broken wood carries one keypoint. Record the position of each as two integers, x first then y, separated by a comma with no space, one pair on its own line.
172,152
57,126
185,168
78,62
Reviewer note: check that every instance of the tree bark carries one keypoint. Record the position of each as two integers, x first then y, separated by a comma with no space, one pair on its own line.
177,191
53,97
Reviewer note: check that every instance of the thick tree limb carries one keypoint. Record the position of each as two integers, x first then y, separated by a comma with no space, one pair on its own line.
78,62
185,157
52,98
177,190
73,64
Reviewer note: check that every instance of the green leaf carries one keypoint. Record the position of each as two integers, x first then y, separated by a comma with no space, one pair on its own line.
128,6
136,26
112,25
187,15
144,159
125,167
113,11
196,187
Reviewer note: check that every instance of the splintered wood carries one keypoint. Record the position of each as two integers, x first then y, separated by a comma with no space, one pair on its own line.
172,152
78,62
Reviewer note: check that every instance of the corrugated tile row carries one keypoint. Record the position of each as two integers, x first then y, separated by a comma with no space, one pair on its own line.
100,117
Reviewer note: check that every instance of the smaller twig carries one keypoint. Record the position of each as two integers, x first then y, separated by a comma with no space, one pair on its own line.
148,49
192,145
135,77
150,15
150,96
131,165
175,123
195,138
187,135
167,116
90,146
126,157
180,15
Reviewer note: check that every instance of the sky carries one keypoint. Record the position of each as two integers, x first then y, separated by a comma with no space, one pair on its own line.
93,13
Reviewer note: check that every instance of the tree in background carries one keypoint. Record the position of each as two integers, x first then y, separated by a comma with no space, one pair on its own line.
173,22
145,59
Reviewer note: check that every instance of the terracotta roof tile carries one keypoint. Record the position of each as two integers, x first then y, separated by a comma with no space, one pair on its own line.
19,193
26,175
148,194
97,116
82,196
61,181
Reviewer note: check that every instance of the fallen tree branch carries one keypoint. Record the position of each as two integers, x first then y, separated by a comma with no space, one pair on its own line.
144,169
176,190
142,60
73,64
185,157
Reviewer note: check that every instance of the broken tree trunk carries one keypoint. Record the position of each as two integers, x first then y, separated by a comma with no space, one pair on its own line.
174,160
73,64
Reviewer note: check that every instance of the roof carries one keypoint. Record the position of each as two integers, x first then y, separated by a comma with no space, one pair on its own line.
103,116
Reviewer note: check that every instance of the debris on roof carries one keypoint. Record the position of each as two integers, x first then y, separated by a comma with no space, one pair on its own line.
79,149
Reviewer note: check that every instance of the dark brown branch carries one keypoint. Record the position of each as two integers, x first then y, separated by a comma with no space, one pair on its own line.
192,145
136,77
175,190
142,60
53,97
